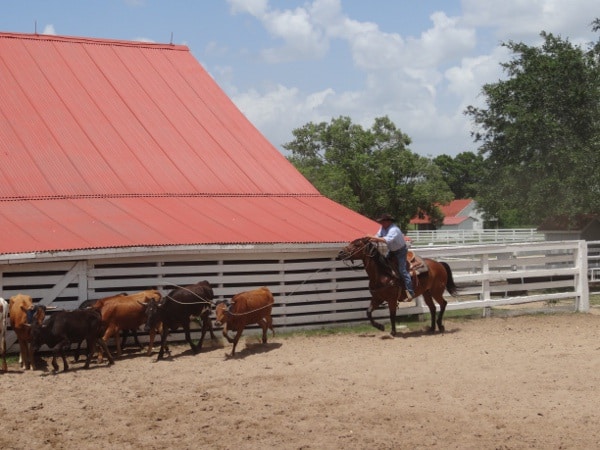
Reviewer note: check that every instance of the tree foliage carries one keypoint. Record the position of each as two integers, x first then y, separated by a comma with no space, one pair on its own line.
462,173
540,133
368,170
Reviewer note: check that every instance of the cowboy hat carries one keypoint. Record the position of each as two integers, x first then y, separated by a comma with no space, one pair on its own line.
385,216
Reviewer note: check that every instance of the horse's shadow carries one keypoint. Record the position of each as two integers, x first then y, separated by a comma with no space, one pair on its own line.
409,333
425,332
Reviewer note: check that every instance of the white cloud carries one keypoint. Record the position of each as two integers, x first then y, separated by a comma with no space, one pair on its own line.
423,83
253,7
49,29
302,38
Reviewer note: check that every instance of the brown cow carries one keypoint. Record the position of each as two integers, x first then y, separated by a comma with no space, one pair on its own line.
125,312
18,306
246,308
3,325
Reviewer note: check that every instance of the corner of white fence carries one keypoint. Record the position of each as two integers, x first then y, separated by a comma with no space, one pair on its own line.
582,298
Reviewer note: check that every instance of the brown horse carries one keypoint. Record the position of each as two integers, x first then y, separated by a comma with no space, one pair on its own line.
386,286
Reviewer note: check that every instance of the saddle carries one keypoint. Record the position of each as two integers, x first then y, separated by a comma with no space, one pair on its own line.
414,264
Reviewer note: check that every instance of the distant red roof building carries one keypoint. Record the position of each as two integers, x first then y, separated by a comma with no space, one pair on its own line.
458,214
109,143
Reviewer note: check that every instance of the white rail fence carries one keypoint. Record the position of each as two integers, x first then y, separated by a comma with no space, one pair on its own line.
311,288
467,237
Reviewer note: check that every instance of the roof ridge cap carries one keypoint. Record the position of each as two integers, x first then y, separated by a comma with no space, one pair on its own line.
163,195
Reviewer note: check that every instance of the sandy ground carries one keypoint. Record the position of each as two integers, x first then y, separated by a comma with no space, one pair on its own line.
496,383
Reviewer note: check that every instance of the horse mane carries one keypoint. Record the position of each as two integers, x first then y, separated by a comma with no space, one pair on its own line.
381,261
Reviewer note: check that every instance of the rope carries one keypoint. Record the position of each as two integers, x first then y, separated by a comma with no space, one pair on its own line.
284,296
203,301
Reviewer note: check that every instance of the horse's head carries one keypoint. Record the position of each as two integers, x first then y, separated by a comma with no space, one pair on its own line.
357,249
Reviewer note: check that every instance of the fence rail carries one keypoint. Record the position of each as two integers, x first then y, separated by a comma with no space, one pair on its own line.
468,237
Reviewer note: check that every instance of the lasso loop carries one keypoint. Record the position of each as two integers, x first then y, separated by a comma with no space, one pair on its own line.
203,301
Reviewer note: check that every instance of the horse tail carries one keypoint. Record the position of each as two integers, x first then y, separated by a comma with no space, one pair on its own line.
450,285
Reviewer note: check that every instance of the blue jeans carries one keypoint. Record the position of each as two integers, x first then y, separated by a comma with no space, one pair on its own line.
401,257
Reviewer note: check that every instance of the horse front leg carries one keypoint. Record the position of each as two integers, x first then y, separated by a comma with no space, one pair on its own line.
392,308
370,310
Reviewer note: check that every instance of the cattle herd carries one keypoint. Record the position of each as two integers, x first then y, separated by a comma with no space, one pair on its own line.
96,321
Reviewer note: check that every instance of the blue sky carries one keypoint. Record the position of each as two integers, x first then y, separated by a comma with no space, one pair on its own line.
286,63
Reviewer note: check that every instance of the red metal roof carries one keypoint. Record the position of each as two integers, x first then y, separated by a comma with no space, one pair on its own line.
451,213
111,143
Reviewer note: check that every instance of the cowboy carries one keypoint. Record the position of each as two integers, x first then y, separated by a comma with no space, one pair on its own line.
391,234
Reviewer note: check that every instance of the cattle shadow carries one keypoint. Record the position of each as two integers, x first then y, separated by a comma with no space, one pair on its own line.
182,350
252,348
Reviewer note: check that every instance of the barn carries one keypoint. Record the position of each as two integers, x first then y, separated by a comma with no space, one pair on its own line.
459,215
125,167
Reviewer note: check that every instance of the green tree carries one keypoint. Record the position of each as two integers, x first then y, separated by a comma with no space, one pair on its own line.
368,170
540,133
462,173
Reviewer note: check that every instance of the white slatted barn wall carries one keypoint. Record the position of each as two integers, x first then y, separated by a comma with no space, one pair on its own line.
56,283
309,291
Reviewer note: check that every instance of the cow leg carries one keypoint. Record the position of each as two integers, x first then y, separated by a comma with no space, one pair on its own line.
210,328
264,326
236,339
118,341
103,347
188,338
91,345
54,363
24,360
226,333
163,342
110,331
151,336
135,338
64,356
206,326
76,352
269,320
56,350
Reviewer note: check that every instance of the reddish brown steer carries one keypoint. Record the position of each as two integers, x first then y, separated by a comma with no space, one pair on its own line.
125,312
246,308
18,306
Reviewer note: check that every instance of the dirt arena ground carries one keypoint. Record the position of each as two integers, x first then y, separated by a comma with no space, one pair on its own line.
528,382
